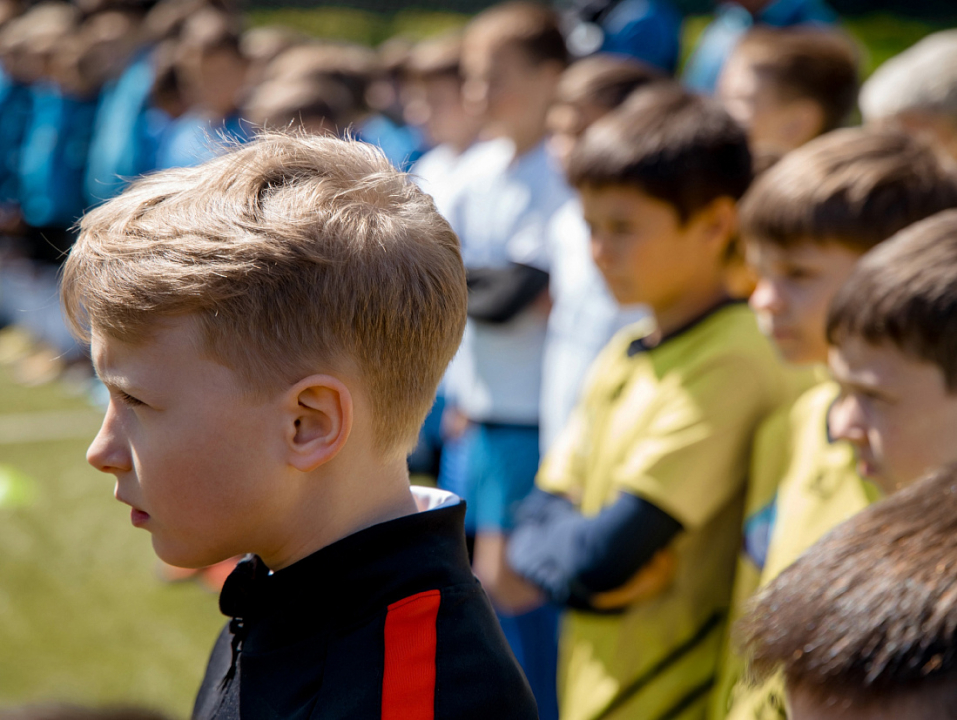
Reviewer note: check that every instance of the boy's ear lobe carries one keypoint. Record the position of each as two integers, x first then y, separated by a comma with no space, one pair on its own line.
320,413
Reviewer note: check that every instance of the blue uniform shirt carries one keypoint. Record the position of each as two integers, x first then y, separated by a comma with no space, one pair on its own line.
193,139
120,149
53,157
15,103
648,30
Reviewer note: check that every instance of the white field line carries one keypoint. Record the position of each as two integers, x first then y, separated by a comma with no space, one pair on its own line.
16,428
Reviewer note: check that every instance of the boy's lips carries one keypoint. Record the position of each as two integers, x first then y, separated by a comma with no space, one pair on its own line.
138,517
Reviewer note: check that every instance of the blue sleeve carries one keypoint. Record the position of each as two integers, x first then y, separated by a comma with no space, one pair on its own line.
571,557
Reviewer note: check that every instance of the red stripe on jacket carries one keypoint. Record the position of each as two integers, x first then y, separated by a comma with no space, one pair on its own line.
408,682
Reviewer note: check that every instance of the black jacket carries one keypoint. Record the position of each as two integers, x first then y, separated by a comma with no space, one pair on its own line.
387,623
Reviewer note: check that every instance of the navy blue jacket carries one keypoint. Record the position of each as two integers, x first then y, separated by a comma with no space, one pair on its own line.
387,623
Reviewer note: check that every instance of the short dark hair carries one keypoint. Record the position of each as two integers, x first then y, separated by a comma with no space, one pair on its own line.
532,27
675,146
870,610
814,63
855,186
904,292
605,80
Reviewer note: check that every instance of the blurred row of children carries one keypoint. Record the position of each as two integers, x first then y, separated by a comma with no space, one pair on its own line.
643,501
640,450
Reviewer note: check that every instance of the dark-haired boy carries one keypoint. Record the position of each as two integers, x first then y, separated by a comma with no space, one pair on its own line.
584,315
807,221
639,499
862,625
787,86
892,331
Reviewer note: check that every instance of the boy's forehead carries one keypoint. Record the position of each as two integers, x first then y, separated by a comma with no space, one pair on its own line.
166,339
803,248
859,362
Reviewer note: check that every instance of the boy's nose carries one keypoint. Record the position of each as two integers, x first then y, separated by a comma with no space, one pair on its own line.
107,453
766,297
844,421
600,251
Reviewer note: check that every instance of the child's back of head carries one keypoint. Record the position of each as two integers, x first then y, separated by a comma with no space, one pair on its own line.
789,85
320,106
863,624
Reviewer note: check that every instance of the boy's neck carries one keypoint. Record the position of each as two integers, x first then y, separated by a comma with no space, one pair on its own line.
689,307
342,504
526,141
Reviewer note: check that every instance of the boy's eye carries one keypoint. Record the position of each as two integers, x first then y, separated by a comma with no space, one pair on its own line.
798,273
128,399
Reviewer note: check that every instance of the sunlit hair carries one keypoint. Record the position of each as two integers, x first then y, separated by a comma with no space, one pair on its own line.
869,612
296,254
855,186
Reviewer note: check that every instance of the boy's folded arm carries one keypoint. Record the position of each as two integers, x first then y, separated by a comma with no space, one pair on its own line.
573,558
496,295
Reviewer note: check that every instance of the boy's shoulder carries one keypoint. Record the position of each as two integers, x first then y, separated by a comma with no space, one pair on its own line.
820,487
725,336
370,626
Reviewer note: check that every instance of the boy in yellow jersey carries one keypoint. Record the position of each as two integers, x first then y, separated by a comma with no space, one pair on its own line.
635,522
864,630
806,222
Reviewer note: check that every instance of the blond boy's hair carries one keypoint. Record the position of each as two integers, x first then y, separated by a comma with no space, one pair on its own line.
296,254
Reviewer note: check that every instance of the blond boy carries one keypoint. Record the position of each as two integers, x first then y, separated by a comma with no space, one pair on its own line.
271,327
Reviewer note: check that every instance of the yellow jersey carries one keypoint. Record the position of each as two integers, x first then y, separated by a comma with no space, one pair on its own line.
819,489
672,424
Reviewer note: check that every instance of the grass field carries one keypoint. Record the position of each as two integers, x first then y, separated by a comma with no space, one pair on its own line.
82,616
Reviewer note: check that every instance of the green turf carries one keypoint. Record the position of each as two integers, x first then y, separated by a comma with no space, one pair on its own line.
82,616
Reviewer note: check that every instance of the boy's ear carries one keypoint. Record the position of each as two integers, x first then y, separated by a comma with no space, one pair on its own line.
319,413
718,223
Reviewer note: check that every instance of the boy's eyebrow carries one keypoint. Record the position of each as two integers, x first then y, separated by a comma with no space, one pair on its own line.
115,382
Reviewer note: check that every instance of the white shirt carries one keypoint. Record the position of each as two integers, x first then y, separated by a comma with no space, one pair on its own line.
502,216
439,173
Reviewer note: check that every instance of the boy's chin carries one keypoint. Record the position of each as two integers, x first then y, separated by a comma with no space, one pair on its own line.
186,558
